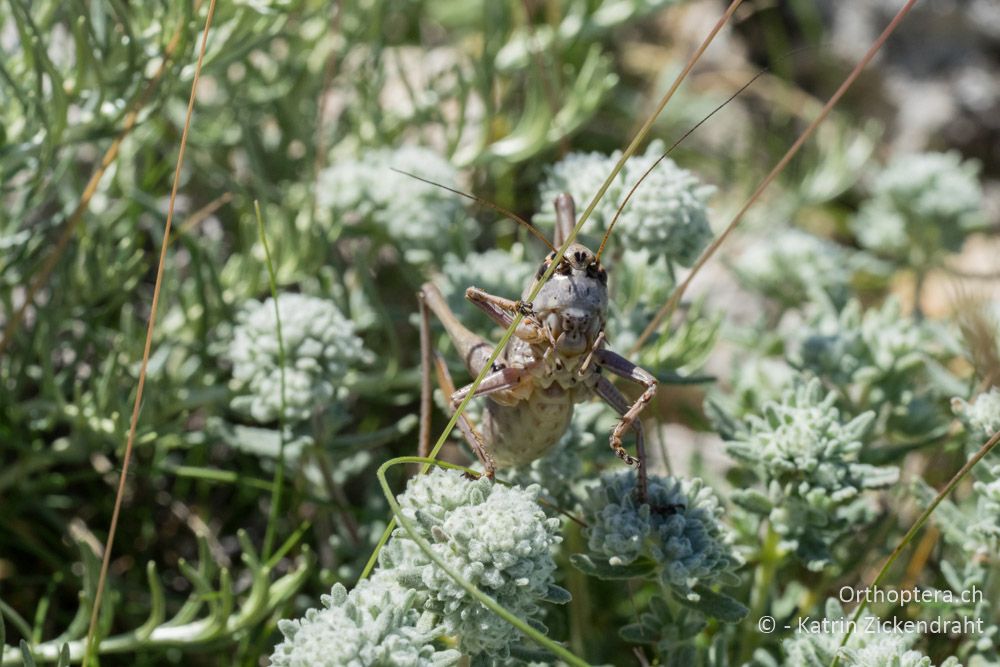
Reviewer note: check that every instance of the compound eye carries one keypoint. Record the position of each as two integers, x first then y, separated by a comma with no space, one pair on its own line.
598,273
542,269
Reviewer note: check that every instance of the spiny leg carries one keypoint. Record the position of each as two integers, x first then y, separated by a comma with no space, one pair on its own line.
616,400
502,311
472,436
470,346
474,349
622,367
502,379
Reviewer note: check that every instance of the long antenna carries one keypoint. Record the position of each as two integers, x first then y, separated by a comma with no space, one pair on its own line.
485,202
668,308
660,159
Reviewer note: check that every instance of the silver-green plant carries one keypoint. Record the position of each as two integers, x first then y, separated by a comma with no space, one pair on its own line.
496,537
794,267
667,216
805,455
879,359
678,541
320,349
379,623
981,415
865,649
922,207
369,192
676,538
970,528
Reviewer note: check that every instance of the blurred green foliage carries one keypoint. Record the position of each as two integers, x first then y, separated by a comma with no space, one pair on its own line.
297,96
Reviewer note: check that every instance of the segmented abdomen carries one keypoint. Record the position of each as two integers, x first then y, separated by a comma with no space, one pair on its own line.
518,434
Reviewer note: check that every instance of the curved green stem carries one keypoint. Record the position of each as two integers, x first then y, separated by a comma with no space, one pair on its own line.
469,588
770,558
279,473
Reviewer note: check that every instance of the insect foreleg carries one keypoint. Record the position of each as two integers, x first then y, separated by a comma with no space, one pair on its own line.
502,311
500,380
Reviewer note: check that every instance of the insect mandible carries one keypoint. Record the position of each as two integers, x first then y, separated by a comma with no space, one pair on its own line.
556,358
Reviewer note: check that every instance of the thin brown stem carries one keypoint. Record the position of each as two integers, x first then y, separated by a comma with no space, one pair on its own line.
668,308
911,533
329,71
130,443
41,278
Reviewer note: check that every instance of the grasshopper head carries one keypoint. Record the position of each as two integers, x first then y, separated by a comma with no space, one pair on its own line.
573,304
578,262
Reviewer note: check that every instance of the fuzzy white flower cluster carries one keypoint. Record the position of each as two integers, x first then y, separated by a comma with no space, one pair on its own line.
921,204
678,530
890,653
320,347
416,216
795,266
982,414
864,649
860,346
807,458
667,215
496,537
377,623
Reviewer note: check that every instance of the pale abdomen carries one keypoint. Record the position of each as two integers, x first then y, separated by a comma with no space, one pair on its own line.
518,434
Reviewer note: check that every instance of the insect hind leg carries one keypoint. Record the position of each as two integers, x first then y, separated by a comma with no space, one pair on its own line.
622,367
565,218
430,358
474,349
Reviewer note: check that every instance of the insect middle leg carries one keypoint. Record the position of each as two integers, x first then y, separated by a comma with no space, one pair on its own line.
622,367
617,400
